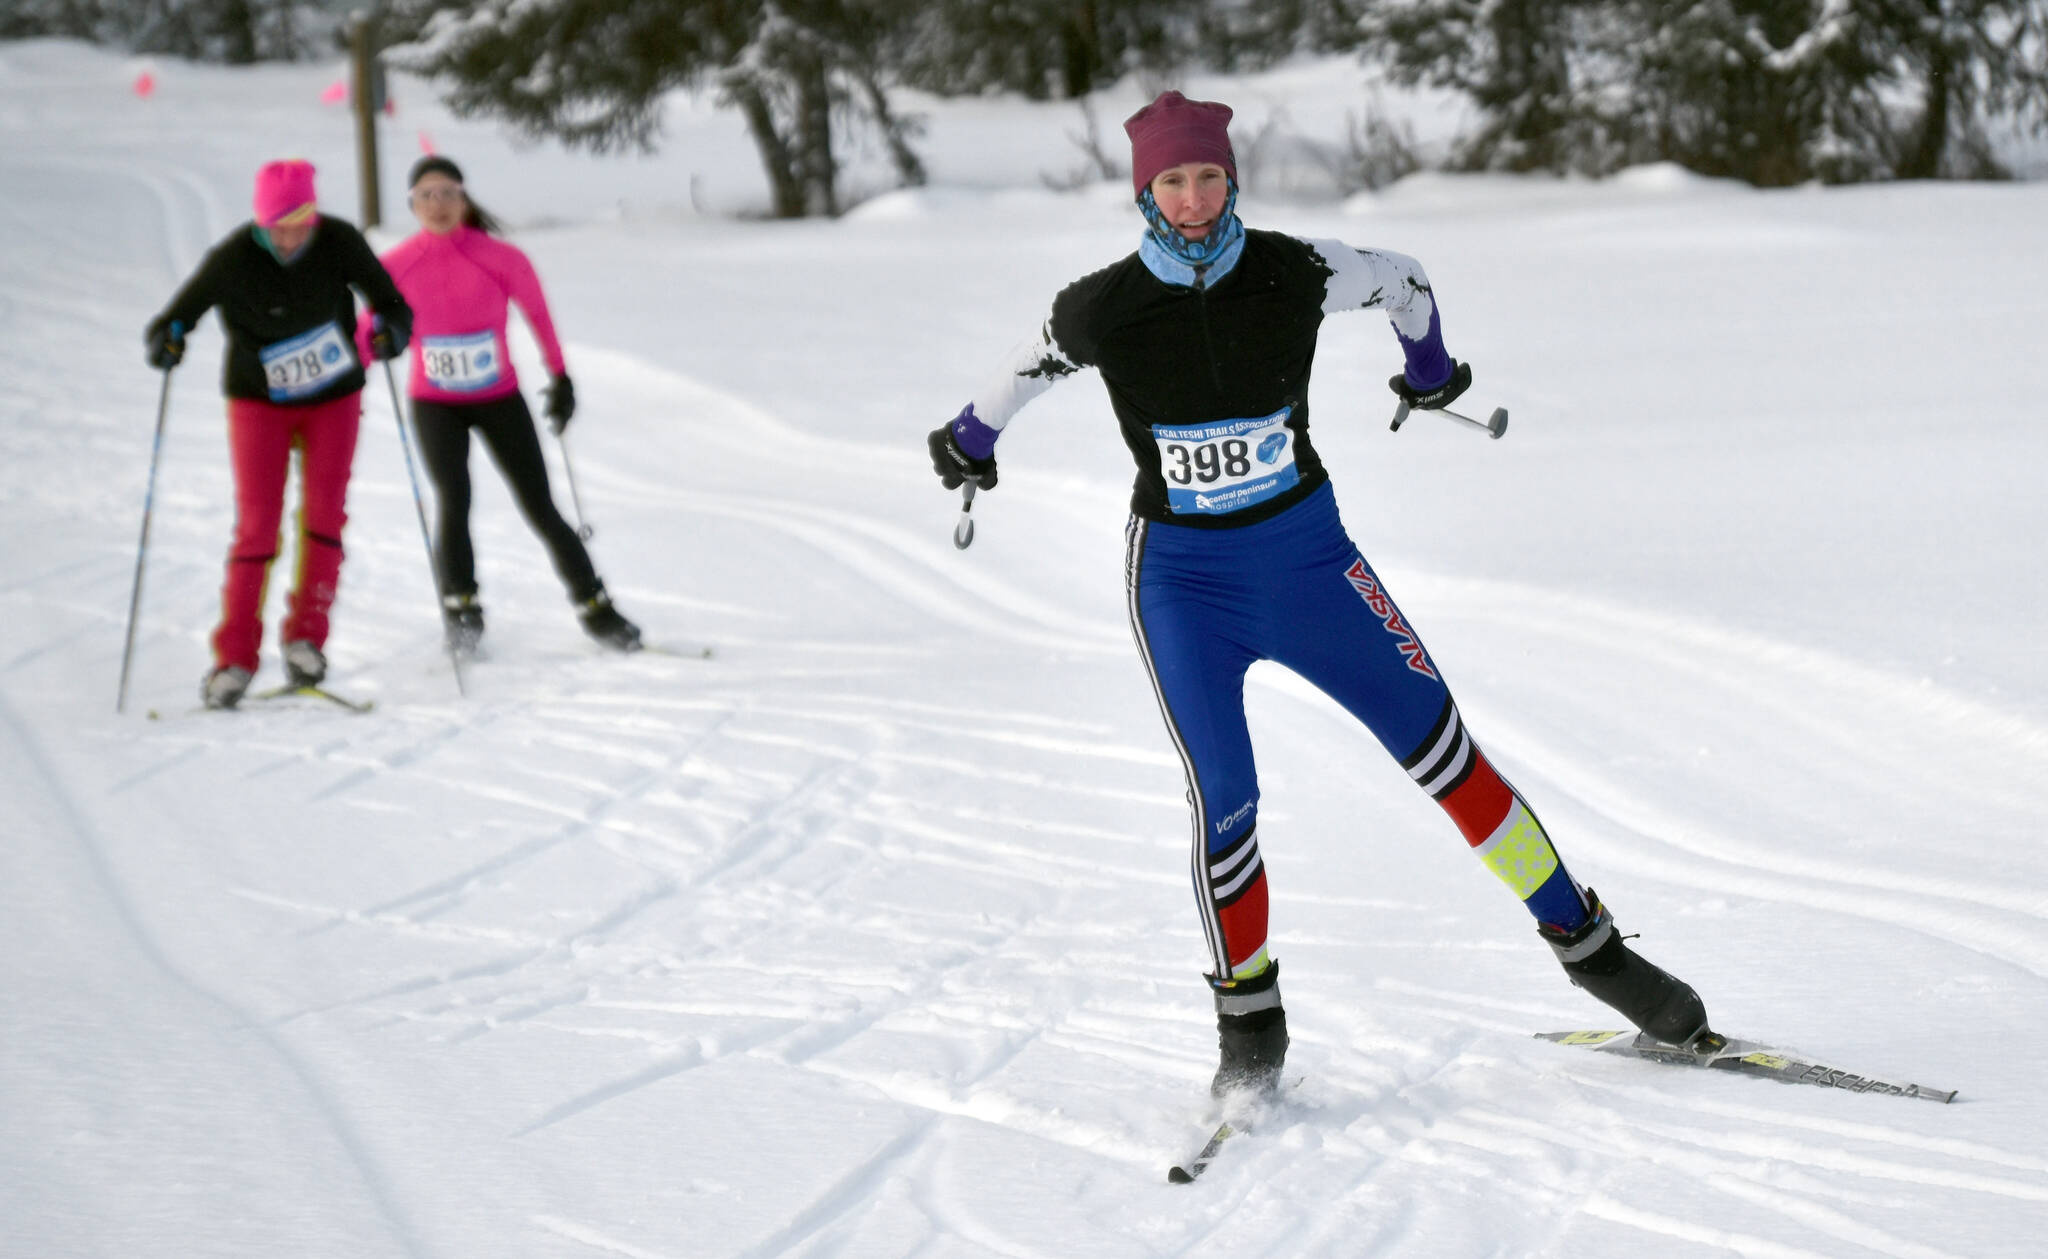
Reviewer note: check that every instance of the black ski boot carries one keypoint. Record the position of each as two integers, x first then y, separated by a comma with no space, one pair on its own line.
304,664
1600,961
1251,1030
602,621
463,618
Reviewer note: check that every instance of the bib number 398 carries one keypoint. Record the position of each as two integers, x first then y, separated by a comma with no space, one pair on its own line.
307,363
1227,466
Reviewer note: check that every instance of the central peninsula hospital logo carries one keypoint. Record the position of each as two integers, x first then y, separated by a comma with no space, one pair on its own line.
1368,588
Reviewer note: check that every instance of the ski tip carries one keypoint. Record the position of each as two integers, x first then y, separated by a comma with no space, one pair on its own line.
154,715
1179,1176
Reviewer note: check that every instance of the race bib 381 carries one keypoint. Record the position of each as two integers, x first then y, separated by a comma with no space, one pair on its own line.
462,363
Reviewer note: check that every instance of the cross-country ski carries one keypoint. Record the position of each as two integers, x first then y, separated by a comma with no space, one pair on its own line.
1717,1052
290,691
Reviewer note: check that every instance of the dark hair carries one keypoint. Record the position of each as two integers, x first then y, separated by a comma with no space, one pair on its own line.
473,215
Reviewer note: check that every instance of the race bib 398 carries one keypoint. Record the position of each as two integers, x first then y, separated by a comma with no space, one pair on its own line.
1226,466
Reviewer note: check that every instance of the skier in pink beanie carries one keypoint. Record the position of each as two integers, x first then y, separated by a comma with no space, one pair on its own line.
293,380
284,193
1206,337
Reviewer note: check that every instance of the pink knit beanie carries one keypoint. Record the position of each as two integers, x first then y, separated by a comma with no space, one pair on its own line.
1172,130
284,193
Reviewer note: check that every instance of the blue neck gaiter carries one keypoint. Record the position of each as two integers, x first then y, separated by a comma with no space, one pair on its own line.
1175,259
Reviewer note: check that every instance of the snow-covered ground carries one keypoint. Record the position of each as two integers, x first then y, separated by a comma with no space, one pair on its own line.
871,935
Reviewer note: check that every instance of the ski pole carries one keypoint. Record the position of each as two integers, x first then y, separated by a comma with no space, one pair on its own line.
163,406
583,529
420,507
1496,424
963,533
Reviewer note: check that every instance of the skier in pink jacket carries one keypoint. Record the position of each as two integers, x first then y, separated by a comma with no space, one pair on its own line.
459,278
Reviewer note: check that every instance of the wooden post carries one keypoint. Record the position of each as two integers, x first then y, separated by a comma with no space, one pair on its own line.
362,98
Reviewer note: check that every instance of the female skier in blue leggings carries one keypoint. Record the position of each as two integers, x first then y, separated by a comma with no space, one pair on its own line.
1205,337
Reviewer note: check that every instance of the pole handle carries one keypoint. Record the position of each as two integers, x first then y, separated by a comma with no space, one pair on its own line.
963,532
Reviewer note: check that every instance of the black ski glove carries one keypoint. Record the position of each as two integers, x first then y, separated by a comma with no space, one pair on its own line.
561,404
166,340
388,338
1441,396
955,465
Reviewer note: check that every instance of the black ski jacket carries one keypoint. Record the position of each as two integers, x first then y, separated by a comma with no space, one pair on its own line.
1174,356
266,306
1210,380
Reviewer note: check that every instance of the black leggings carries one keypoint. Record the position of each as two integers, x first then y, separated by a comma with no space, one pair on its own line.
507,429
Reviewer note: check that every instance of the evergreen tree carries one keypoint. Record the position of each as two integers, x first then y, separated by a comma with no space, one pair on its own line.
69,19
1971,58
1517,61
1774,92
1236,35
234,31
1040,49
592,73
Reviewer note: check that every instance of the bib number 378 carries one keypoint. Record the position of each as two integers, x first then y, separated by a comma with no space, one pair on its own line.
1227,466
307,363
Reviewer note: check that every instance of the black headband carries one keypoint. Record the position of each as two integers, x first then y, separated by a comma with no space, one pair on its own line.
431,164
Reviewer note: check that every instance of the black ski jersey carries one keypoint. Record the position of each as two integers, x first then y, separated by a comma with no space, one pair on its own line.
290,326
1209,381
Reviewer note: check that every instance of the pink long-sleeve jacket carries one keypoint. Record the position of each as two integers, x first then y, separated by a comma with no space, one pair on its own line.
458,286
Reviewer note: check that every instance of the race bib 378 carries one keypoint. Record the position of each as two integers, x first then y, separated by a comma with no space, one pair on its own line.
307,363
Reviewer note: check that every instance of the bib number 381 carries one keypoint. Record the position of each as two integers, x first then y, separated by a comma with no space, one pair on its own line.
1227,466
462,363
307,363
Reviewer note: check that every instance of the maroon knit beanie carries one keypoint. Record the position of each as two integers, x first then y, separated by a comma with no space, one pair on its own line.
1172,130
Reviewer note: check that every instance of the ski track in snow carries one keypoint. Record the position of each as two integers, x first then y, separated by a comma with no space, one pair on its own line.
609,895
1917,734
744,838
323,1110
546,979
757,823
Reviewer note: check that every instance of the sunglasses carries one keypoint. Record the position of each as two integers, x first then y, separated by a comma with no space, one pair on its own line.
449,192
